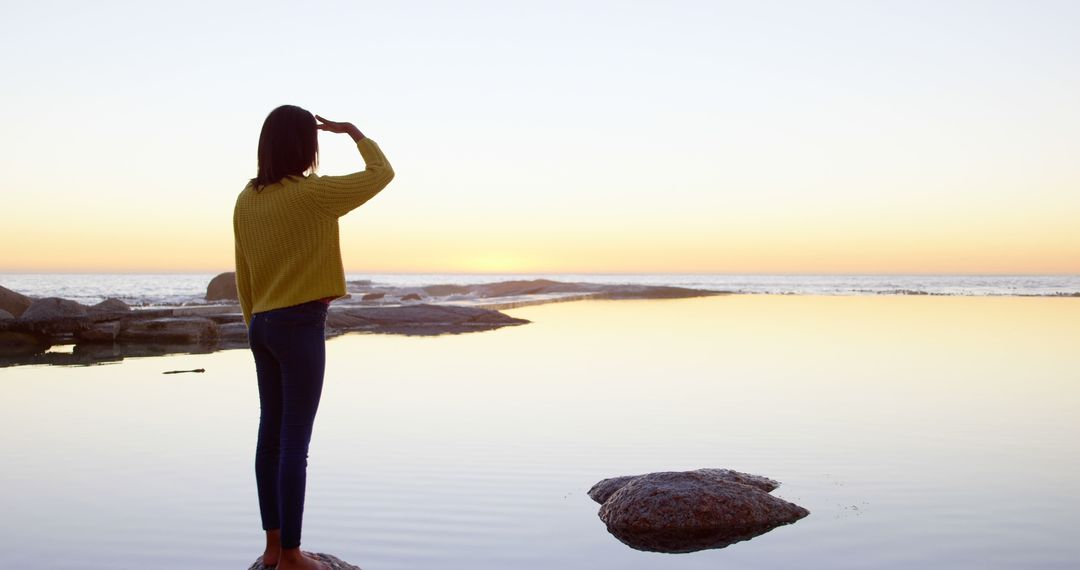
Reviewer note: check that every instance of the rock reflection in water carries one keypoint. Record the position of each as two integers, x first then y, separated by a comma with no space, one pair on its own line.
683,541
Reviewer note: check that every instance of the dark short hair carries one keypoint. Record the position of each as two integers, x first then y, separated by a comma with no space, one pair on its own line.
288,145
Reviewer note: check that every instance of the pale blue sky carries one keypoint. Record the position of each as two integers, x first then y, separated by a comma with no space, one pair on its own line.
531,133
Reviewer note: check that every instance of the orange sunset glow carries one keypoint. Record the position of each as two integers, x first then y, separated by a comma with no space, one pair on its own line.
531,141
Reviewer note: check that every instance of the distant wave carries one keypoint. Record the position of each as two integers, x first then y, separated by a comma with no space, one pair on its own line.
962,294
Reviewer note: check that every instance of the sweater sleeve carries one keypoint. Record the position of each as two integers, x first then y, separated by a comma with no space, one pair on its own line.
243,279
339,195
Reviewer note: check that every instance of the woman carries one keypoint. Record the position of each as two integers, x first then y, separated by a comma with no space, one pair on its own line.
288,270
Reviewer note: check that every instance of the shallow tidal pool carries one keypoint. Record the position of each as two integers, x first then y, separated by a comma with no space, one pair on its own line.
920,432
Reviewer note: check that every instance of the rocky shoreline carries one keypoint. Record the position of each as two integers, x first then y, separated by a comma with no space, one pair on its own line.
111,330
111,335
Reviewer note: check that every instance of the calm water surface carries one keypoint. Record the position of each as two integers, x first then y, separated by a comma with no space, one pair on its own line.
929,432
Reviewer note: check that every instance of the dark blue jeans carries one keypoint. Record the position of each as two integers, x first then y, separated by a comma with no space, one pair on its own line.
289,345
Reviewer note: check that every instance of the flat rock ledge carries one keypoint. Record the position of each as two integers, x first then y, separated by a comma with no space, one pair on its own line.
333,562
687,511
111,331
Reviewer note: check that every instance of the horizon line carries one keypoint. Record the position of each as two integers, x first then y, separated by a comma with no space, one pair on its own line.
727,273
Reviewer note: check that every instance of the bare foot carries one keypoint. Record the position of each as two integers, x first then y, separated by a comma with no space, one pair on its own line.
273,548
293,559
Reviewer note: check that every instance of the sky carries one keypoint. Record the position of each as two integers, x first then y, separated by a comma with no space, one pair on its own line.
586,136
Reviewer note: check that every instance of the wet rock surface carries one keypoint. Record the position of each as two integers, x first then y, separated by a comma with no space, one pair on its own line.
333,562
686,511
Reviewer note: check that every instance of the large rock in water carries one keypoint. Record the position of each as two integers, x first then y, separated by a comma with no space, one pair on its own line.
222,288
333,562
110,306
12,302
691,510
603,490
53,309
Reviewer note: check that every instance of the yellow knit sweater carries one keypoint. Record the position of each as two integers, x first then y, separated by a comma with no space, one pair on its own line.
286,235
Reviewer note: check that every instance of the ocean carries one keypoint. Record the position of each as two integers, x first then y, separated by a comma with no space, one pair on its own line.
169,289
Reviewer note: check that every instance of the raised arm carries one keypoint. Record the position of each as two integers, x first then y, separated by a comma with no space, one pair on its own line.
339,195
